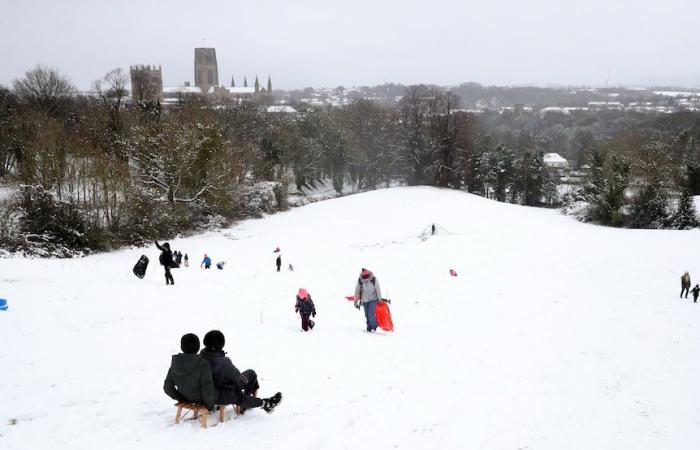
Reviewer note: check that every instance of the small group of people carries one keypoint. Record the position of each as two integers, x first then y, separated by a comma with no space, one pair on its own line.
368,294
685,287
210,378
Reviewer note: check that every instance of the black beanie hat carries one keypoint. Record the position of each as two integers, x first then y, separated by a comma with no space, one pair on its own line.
214,340
189,343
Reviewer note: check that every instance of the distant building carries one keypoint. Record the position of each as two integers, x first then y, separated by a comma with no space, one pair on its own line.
146,83
206,71
281,109
555,161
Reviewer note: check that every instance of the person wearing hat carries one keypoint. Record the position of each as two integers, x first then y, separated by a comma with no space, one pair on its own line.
234,387
305,307
367,294
189,378
166,260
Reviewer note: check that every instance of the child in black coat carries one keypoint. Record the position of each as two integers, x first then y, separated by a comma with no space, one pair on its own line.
305,307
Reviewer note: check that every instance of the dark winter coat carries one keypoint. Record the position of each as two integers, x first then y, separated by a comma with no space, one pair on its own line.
695,291
228,380
305,306
166,257
190,380
279,261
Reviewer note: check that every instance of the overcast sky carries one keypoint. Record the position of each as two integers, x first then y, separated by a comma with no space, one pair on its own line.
361,42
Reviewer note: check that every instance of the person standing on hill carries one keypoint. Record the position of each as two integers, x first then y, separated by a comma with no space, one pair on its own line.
432,230
279,262
206,262
166,260
306,308
187,260
695,291
685,284
367,294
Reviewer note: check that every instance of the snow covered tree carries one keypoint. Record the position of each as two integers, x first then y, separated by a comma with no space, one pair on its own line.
685,216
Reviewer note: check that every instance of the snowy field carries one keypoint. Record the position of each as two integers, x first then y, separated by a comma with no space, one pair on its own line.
555,335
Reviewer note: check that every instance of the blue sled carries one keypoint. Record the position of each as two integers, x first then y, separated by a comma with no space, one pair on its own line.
3,304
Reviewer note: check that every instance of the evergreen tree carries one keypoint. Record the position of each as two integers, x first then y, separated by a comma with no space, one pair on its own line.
685,216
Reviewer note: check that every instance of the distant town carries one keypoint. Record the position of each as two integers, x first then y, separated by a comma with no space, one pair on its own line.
147,84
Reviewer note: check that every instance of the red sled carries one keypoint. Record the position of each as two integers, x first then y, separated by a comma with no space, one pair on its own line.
453,273
350,297
384,316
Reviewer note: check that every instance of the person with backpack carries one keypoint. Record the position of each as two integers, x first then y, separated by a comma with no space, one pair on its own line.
206,262
189,378
306,308
166,260
367,294
695,291
234,387
279,262
685,284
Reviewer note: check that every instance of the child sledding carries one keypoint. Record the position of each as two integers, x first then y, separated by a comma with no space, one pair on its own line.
199,382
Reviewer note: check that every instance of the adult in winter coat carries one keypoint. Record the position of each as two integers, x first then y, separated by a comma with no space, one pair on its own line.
234,387
695,291
206,262
306,308
189,378
166,260
279,262
685,284
367,294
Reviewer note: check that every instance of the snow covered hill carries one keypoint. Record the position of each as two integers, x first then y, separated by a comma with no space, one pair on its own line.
555,335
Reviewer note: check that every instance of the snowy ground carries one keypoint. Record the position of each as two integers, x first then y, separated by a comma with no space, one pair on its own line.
555,335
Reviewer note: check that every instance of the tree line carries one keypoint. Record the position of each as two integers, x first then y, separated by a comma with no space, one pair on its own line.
94,172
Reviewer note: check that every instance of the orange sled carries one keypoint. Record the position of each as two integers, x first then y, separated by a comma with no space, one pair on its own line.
384,316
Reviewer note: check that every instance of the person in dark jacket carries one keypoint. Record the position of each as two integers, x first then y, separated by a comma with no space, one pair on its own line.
189,378
279,262
166,260
306,308
695,291
234,387
187,260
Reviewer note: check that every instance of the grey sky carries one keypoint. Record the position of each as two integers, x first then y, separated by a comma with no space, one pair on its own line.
361,42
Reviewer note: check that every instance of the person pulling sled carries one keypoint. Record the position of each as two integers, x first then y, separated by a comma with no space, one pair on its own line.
367,294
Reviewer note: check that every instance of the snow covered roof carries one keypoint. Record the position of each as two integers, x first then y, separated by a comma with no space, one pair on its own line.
181,89
554,158
281,109
240,90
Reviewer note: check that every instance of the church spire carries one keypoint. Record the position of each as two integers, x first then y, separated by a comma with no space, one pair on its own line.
257,85
233,82
269,86
245,82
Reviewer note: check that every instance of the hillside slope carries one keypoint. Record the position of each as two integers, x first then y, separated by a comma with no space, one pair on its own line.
555,335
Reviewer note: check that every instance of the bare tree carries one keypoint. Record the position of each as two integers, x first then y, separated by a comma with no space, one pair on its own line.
112,91
44,88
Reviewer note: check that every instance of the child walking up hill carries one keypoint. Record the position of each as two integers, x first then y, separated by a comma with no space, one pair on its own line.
305,307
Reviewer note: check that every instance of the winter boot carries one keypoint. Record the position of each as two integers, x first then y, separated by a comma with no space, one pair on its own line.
311,324
269,404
